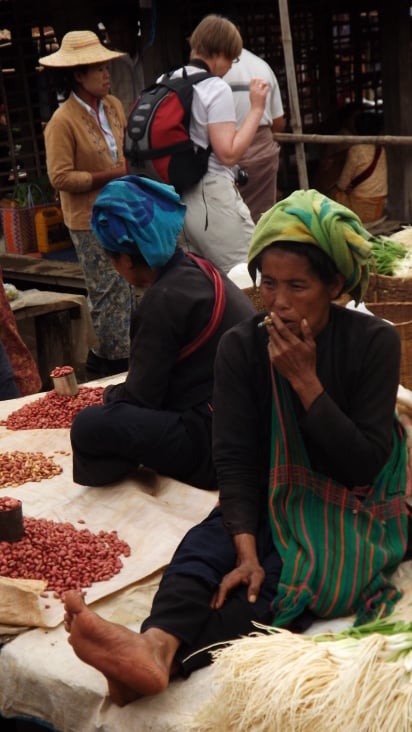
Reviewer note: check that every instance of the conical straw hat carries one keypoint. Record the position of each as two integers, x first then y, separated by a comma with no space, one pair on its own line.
79,48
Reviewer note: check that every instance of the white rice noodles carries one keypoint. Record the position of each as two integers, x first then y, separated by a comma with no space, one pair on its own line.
283,682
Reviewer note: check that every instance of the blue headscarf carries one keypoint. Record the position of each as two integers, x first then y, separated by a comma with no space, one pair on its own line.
134,214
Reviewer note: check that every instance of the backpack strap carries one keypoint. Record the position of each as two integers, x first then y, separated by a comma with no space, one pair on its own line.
179,84
200,64
176,83
218,308
368,171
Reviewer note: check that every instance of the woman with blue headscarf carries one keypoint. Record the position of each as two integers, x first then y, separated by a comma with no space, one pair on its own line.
160,417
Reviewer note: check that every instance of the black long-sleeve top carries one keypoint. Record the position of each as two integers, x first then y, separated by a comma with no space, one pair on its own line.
172,312
347,430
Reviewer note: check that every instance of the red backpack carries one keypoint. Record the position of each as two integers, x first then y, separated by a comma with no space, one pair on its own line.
157,141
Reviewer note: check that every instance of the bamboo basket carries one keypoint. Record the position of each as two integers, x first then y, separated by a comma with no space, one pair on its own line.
253,294
383,288
400,314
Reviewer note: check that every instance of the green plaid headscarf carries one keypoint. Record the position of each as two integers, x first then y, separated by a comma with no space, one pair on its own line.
312,218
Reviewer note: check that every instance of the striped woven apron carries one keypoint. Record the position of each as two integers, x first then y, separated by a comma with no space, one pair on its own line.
338,551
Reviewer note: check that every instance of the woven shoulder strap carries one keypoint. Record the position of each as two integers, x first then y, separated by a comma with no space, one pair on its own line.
368,171
218,307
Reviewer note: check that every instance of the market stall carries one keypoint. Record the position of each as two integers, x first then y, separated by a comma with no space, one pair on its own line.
150,514
40,676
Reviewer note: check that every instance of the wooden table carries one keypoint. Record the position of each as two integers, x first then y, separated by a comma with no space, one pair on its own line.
52,325
57,328
26,271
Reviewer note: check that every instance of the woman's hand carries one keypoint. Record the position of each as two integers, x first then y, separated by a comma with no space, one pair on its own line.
100,178
258,91
289,353
229,144
248,572
294,358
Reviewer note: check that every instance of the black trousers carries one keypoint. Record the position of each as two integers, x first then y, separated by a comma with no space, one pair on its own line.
110,441
181,606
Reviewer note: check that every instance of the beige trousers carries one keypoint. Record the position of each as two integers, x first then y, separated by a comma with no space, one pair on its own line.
218,224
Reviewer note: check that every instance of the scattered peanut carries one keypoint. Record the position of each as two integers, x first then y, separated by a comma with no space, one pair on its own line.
53,410
63,556
18,467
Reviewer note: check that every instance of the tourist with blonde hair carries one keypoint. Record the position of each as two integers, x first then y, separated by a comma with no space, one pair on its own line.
218,223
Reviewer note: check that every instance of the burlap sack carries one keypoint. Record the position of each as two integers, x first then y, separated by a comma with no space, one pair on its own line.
19,602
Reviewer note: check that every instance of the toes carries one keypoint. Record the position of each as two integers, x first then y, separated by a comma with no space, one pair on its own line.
73,601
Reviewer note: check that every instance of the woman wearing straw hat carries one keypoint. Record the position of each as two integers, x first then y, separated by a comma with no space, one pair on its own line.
84,151
310,460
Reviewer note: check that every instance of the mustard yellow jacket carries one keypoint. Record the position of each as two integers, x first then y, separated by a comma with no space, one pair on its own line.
76,148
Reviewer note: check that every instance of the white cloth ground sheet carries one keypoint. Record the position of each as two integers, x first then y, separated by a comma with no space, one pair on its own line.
40,676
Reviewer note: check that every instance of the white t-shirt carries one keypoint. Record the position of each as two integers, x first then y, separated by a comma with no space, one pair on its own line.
212,102
239,76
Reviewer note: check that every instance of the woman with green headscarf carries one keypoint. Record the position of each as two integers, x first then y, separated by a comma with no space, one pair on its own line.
310,459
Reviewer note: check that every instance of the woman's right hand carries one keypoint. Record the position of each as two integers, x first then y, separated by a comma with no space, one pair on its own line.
249,573
258,91
229,144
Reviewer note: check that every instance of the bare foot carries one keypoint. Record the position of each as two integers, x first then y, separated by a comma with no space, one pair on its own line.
135,664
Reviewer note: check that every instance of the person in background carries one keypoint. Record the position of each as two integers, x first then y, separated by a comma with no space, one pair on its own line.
84,151
331,157
363,182
126,71
311,465
218,224
261,159
19,375
160,417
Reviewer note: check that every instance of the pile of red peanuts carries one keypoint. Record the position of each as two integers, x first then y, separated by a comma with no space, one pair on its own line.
63,556
53,411
60,554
